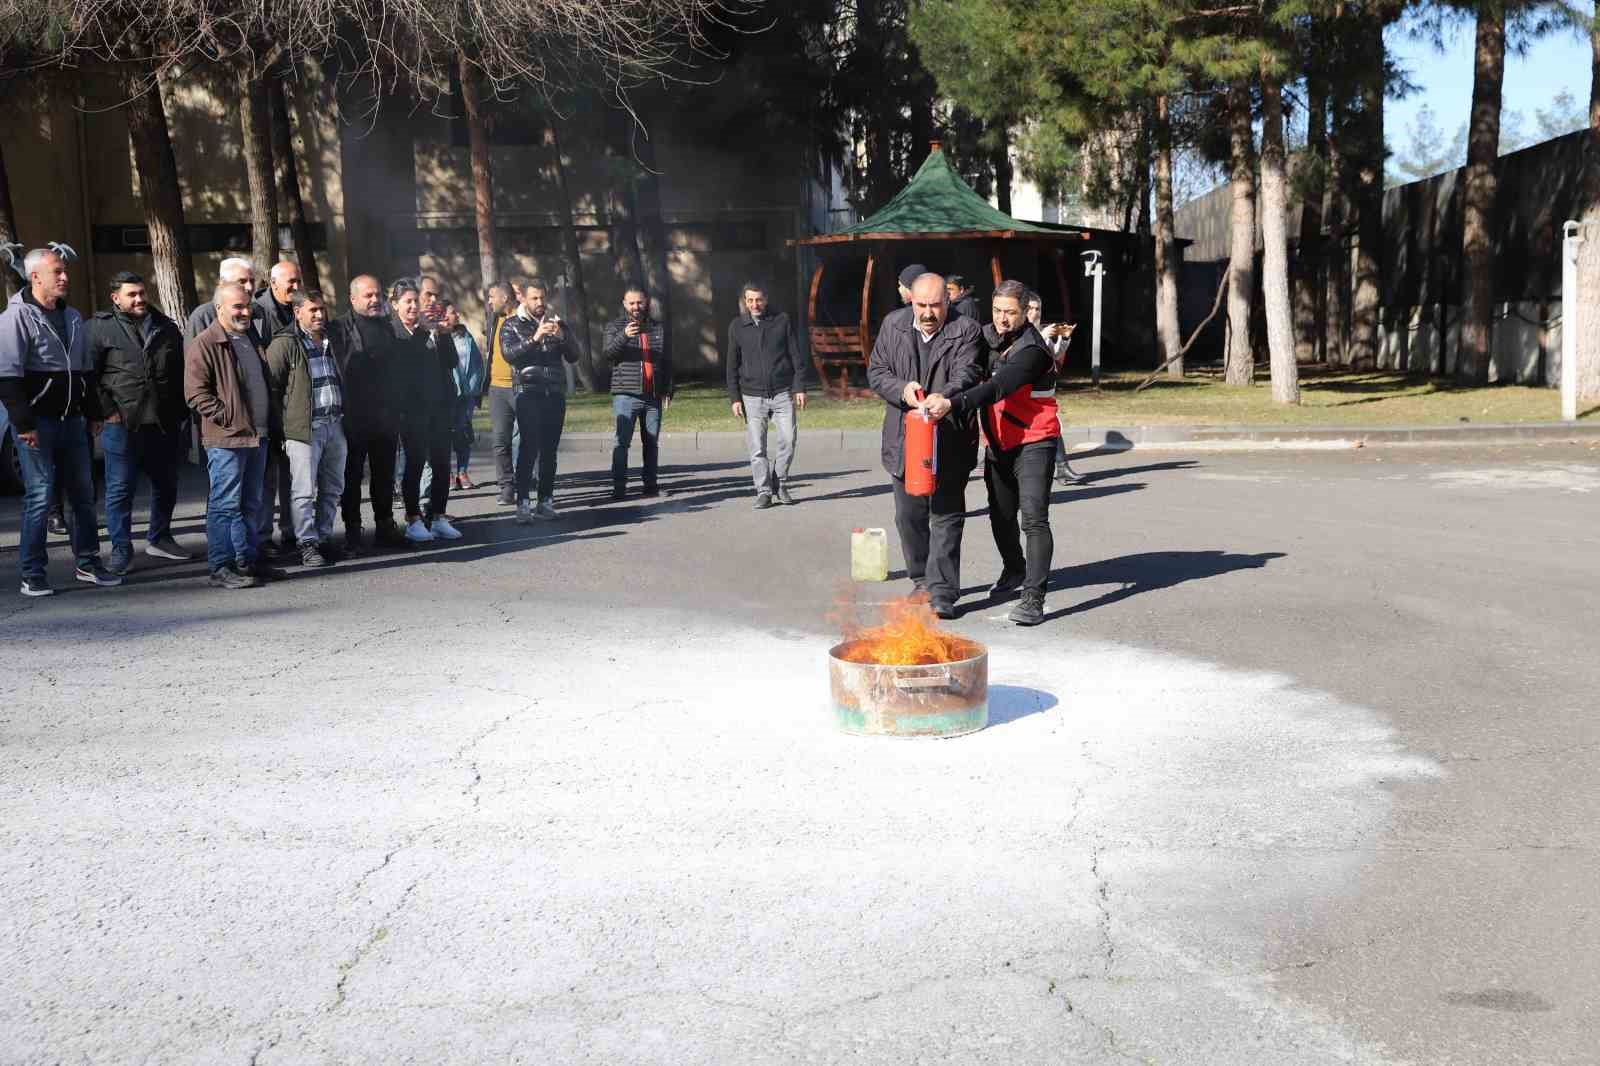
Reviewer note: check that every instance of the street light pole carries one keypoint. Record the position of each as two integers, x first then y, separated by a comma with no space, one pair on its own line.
1094,268
1571,238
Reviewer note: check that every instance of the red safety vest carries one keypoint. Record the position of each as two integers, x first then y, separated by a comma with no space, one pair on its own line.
1026,415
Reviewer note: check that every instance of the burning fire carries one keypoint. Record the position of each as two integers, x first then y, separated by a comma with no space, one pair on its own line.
909,635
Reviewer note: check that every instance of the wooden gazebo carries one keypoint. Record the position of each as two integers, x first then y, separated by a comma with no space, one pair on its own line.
936,205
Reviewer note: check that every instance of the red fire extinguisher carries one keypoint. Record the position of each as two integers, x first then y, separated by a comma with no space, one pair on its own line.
920,457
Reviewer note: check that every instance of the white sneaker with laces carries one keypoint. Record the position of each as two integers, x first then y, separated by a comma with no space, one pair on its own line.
546,509
442,529
417,533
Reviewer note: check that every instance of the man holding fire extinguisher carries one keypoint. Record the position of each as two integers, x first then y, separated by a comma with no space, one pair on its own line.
1018,409
928,352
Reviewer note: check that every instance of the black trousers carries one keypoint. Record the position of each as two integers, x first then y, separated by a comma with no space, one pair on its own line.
930,533
540,416
1018,481
377,448
428,440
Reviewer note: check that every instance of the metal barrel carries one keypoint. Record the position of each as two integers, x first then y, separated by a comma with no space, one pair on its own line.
938,700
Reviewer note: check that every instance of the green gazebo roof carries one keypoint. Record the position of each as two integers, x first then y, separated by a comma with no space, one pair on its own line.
937,201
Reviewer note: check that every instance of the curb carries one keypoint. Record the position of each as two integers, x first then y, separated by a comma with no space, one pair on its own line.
1198,438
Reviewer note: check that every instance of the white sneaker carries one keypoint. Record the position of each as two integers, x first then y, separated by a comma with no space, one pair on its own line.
417,533
546,509
524,513
444,530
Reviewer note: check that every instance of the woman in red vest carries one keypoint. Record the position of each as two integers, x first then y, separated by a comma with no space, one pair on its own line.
1019,423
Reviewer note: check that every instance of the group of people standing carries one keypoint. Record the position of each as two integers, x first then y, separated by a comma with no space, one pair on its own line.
294,409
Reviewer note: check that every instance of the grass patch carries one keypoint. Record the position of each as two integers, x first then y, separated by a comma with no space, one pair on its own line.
1328,397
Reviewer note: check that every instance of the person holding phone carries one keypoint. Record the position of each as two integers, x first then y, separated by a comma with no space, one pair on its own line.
428,358
637,347
1057,336
534,342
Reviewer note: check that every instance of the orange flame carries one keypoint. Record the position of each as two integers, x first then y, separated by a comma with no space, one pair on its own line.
909,635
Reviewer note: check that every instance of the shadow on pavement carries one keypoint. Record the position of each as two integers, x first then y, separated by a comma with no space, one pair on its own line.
1146,572
1007,703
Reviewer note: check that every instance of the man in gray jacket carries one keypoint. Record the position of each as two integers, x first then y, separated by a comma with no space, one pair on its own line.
929,351
47,383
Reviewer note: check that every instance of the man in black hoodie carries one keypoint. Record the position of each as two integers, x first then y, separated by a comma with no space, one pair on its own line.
47,385
137,353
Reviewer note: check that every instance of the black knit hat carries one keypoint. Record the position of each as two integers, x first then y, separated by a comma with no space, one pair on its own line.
911,273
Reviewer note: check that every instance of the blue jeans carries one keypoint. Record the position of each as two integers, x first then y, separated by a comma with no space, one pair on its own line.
152,451
237,478
629,409
63,454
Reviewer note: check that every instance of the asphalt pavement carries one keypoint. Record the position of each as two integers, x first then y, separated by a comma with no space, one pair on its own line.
1300,769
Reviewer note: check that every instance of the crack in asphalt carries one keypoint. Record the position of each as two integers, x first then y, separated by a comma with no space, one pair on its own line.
1102,902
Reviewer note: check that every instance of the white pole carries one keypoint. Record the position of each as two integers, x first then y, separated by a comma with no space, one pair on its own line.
1096,270
1569,322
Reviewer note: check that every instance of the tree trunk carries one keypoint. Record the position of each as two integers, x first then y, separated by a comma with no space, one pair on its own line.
1275,241
160,192
1588,324
256,129
1336,257
1477,223
1308,284
1240,364
482,178
288,182
1002,171
1364,301
653,236
1168,334
578,305
9,282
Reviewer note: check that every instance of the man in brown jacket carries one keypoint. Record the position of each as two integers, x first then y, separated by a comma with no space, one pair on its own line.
225,385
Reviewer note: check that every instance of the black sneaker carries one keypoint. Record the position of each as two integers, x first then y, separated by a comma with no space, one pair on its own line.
229,578
310,556
943,609
121,560
1009,581
36,586
390,535
263,572
1029,610
507,498
763,500
783,495
329,551
95,573
57,524
353,545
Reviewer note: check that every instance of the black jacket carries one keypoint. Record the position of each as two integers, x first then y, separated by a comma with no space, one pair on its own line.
139,367
1025,360
763,359
950,363
967,307
626,356
274,318
427,358
535,363
371,373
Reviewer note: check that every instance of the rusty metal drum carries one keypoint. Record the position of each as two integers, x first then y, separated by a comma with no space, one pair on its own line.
937,700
